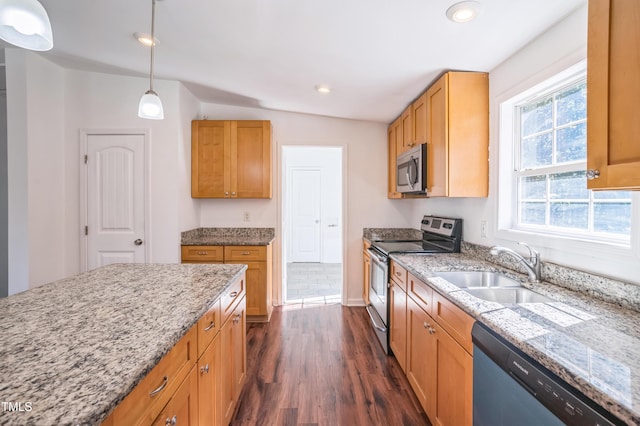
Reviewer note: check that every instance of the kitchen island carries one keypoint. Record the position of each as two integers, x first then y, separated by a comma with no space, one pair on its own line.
72,350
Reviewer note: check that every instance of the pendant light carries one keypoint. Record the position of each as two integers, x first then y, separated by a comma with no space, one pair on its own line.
25,23
150,104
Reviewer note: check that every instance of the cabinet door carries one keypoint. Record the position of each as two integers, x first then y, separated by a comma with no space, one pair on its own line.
256,288
182,409
395,145
407,130
454,378
398,324
437,138
613,67
392,163
209,381
210,161
366,273
251,159
421,368
419,119
233,349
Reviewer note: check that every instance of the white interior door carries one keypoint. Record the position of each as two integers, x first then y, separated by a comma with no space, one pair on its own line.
305,215
115,199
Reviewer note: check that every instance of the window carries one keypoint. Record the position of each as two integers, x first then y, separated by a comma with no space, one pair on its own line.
549,189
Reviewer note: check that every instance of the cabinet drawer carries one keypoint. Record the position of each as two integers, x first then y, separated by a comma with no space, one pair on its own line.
399,275
207,254
208,326
421,293
147,400
231,297
454,320
244,253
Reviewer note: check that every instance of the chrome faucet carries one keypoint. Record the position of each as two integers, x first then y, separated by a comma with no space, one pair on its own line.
532,264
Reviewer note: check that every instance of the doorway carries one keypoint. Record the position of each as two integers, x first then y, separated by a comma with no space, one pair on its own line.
114,204
312,224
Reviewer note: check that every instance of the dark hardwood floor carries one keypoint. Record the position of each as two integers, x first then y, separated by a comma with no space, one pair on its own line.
322,365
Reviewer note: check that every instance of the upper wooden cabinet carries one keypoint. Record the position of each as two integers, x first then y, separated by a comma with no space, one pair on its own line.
419,119
457,107
395,139
613,67
405,141
230,159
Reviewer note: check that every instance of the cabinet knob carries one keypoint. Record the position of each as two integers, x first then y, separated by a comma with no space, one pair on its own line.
204,369
174,420
233,294
226,192
233,193
593,174
432,330
426,325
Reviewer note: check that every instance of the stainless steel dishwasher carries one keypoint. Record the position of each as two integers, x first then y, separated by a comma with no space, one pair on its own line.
510,388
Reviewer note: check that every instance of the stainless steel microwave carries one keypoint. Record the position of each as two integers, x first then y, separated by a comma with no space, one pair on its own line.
411,170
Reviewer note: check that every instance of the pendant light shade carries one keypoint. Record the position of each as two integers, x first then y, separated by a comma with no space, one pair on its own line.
150,105
25,23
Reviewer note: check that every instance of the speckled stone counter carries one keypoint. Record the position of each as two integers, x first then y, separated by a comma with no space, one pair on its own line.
592,344
75,348
228,237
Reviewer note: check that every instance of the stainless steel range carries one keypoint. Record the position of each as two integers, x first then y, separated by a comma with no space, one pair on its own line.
439,235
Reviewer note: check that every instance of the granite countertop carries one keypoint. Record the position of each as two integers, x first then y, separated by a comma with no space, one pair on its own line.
228,237
594,345
390,234
75,348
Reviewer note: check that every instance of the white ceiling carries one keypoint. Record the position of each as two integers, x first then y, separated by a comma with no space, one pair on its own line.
376,55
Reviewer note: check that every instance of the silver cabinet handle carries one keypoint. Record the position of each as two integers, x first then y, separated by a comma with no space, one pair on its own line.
160,388
426,325
212,325
432,330
138,242
233,193
332,226
204,369
593,174
233,294
203,253
237,318
246,253
174,420
167,421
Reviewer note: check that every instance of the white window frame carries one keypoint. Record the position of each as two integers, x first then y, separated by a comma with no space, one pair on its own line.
572,245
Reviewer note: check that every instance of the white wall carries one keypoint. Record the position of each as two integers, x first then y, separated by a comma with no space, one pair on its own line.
329,162
35,93
103,101
555,50
365,180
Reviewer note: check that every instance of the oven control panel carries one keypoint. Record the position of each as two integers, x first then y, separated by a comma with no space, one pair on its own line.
441,225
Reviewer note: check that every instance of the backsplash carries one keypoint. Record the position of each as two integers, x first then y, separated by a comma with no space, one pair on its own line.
379,234
621,293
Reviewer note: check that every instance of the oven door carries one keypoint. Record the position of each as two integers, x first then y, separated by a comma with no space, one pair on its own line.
378,289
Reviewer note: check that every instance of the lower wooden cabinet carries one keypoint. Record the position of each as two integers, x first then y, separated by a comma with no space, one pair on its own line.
259,260
366,272
200,380
438,359
234,352
182,409
210,384
398,321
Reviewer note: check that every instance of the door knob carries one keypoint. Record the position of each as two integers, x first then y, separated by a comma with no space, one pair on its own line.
138,242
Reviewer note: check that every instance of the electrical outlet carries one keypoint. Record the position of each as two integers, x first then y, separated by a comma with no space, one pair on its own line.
483,229
246,217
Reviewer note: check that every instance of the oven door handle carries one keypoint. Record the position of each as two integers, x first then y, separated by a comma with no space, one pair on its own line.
375,254
375,320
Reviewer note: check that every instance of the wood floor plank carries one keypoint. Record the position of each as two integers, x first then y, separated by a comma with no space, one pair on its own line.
322,365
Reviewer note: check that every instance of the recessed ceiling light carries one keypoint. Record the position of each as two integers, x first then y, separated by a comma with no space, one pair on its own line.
465,11
323,89
145,39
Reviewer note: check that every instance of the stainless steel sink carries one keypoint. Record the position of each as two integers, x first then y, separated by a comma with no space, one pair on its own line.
506,295
474,279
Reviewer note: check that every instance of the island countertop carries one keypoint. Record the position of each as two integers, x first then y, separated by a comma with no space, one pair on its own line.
73,349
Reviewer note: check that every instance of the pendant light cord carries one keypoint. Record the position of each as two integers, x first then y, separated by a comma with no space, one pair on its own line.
153,41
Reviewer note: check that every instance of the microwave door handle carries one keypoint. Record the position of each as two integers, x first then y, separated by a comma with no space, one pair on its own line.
412,165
